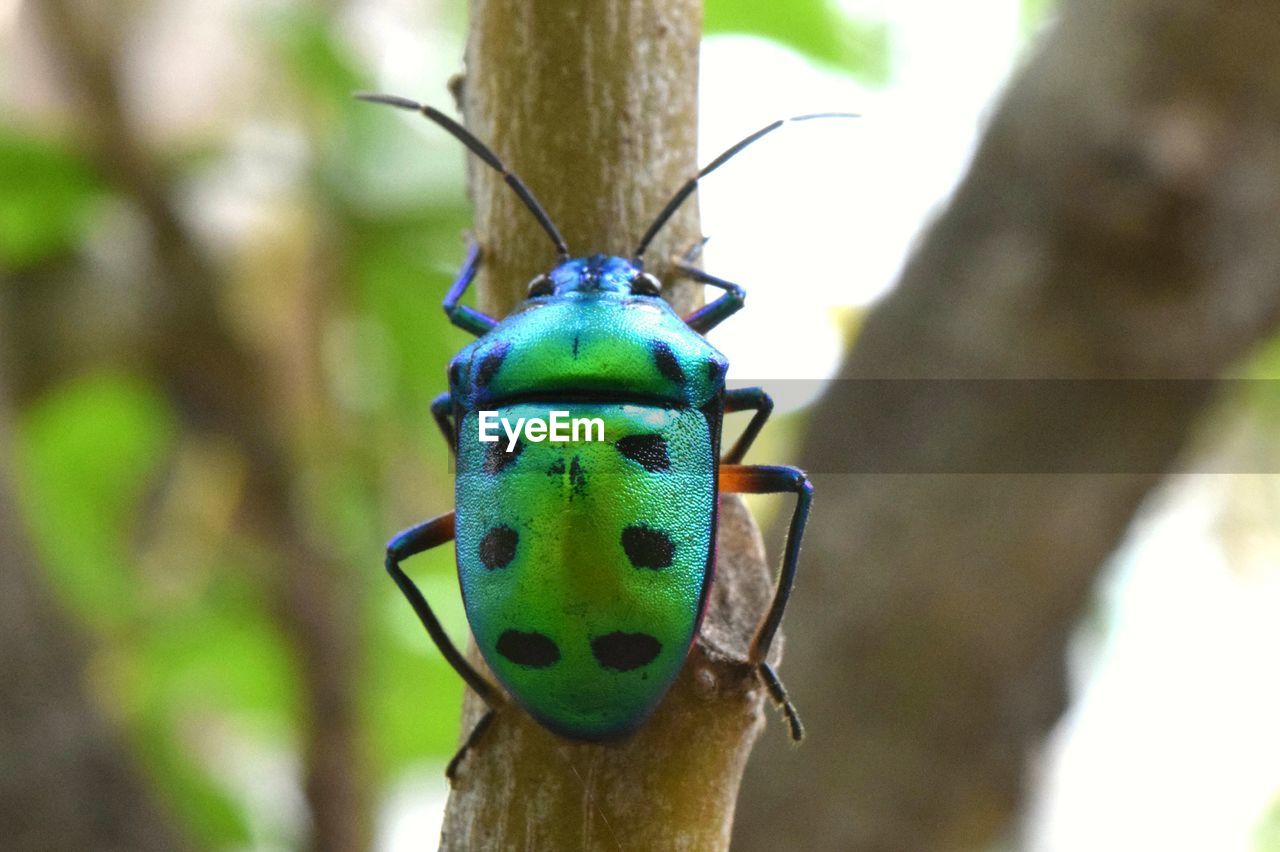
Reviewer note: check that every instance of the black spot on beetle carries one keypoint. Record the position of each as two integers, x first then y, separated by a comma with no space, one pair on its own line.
577,341
715,370
490,363
535,650
667,363
496,456
623,652
577,475
498,547
577,478
648,548
650,451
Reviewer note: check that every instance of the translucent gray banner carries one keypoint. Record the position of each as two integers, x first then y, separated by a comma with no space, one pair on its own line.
1008,426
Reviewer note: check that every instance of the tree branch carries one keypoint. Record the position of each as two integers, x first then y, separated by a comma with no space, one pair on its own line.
594,105
1118,222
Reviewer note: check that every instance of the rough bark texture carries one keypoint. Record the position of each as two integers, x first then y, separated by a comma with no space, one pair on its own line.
1119,222
594,105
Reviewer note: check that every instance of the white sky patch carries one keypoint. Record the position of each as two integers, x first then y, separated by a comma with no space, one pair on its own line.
819,217
8,15
413,813
257,767
1172,744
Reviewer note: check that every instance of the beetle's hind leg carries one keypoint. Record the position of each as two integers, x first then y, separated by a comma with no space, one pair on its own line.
762,479
778,693
413,541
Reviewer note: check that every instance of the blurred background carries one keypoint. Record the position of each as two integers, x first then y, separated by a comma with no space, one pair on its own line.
198,485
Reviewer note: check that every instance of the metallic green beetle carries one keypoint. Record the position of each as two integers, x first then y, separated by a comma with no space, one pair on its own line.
585,564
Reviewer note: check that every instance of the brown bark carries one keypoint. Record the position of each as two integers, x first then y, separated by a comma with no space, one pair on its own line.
594,105
1118,222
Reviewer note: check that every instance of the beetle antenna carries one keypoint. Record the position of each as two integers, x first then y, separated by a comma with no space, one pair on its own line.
457,131
692,184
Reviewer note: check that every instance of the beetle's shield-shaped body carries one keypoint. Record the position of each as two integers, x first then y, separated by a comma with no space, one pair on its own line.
584,564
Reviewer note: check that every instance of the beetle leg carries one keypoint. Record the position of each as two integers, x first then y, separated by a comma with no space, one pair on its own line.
713,313
409,543
451,771
468,319
778,693
442,411
746,399
764,479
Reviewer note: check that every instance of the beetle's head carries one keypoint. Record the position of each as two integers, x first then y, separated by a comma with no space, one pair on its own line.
593,327
594,275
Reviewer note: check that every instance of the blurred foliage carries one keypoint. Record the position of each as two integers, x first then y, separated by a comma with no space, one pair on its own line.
48,195
89,448
816,28
188,653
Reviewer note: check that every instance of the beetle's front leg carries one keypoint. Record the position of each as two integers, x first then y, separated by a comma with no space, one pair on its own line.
413,541
468,319
715,312
762,479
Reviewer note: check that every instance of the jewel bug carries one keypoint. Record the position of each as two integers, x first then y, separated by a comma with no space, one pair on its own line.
585,566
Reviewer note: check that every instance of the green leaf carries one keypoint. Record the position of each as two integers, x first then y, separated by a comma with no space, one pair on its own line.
816,28
211,816
223,647
200,668
48,195
86,452
312,54
400,270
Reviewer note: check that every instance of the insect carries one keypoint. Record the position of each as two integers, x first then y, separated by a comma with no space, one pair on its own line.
585,565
